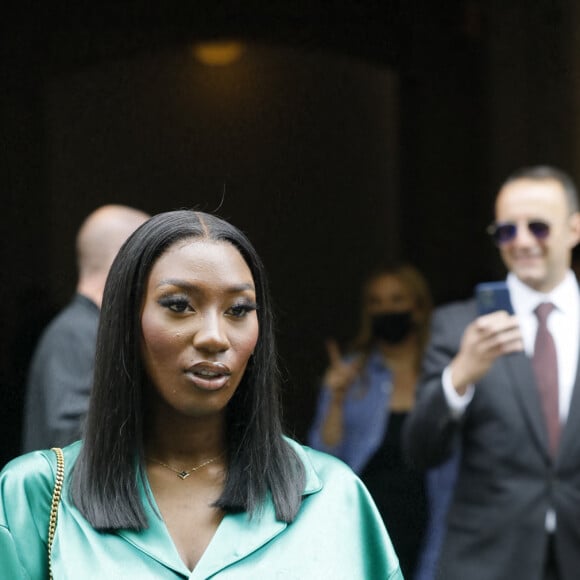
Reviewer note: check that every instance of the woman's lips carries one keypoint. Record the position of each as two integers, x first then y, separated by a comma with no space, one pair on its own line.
208,375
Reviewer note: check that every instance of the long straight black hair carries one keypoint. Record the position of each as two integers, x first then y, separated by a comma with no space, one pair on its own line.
106,476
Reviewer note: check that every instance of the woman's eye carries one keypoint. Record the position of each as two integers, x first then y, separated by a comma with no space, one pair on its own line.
175,304
241,310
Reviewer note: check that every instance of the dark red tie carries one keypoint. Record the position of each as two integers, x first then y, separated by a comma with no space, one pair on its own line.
545,363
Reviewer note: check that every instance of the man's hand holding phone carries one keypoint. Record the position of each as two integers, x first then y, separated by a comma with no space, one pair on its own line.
491,335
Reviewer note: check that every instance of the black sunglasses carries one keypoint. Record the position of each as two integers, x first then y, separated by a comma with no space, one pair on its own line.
503,232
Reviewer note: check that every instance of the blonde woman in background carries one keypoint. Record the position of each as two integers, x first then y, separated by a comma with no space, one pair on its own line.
367,394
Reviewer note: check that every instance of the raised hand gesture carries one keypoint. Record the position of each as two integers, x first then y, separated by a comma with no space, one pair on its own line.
339,374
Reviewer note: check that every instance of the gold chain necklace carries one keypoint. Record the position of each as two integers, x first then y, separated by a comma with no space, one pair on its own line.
184,473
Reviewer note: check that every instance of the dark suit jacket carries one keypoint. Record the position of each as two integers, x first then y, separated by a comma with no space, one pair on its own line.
61,376
507,479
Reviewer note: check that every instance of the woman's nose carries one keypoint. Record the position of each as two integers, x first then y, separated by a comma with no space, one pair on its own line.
211,335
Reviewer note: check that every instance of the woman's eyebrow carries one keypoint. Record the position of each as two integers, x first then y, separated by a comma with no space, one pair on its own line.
189,286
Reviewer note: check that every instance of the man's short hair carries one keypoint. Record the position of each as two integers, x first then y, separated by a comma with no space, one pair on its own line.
546,173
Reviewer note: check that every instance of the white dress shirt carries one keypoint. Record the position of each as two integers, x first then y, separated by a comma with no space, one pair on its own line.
563,324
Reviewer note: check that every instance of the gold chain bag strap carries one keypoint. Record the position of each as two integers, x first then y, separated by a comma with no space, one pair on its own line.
56,493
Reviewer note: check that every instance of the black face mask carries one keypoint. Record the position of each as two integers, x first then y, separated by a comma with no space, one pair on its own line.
392,327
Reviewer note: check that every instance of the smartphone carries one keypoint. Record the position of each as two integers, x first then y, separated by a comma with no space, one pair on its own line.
493,296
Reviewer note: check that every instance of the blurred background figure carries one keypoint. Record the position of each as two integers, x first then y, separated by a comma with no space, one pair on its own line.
367,394
61,372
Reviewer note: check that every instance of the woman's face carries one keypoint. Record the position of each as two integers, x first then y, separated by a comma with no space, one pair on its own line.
387,293
199,325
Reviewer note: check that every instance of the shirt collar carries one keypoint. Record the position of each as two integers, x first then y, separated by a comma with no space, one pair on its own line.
526,299
237,536
86,301
312,482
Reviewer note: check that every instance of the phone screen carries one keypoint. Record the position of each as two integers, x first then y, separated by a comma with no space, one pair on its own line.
493,296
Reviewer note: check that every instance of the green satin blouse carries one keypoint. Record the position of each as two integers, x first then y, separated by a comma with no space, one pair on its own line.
337,534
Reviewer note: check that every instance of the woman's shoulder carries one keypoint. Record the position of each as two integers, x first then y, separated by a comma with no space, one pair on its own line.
338,506
26,485
323,468
35,465
34,471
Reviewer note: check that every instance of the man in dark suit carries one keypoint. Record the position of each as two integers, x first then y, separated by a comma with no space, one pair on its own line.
506,388
61,373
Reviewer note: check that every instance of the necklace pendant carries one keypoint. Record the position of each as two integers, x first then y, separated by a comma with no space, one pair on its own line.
183,474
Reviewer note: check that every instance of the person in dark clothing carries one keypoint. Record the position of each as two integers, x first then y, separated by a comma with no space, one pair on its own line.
61,372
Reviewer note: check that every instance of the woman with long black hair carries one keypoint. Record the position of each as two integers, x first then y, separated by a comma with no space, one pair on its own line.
183,471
